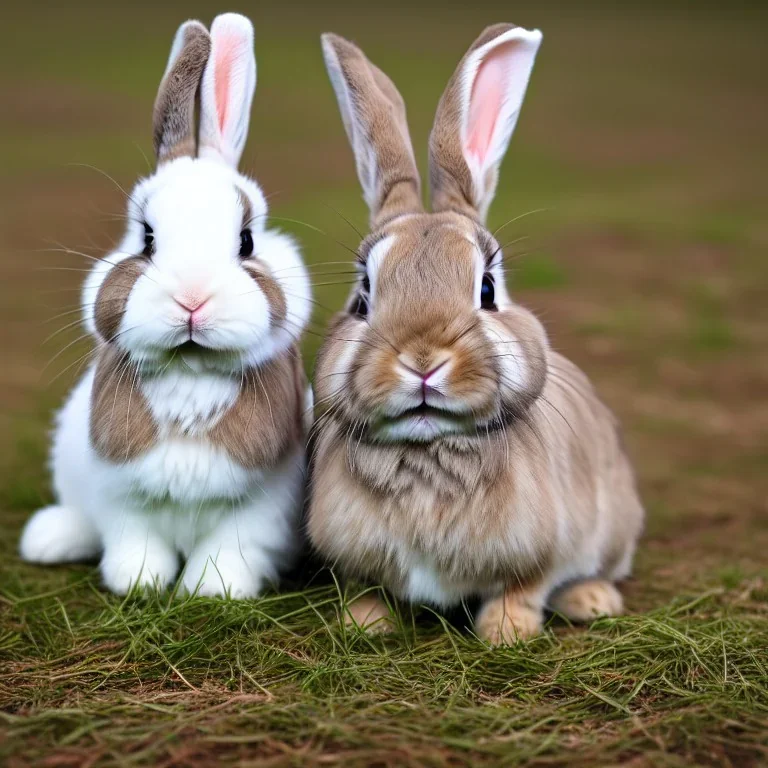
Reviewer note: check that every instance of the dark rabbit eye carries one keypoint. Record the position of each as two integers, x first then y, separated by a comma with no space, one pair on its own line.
488,294
149,240
360,305
246,244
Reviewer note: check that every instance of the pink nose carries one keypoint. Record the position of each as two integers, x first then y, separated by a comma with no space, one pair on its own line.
425,377
191,303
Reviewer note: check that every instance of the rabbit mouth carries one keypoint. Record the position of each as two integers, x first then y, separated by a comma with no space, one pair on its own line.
421,424
195,348
195,356
426,410
441,419
190,347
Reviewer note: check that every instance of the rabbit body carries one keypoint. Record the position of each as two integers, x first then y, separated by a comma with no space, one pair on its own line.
185,438
454,453
462,517
235,526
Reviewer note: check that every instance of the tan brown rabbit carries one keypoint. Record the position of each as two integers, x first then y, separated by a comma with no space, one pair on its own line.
456,454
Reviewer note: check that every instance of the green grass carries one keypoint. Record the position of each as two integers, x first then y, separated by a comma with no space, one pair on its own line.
636,182
280,680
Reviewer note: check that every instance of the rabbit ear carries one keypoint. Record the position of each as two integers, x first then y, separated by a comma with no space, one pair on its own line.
476,117
227,89
374,117
174,114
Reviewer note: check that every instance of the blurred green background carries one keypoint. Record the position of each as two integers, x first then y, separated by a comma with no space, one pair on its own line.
639,172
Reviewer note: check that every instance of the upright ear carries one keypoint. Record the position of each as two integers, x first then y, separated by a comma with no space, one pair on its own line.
476,117
227,89
173,119
373,112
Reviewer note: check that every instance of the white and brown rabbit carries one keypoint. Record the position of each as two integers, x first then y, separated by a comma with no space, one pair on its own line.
455,454
185,438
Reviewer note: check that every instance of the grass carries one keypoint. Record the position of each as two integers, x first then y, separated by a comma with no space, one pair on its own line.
149,680
637,180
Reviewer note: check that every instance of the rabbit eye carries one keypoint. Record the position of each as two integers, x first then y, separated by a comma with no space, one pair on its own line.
488,294
246,244
149,240
360,305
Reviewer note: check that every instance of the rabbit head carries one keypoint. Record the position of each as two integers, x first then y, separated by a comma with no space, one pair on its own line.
430,343
198,275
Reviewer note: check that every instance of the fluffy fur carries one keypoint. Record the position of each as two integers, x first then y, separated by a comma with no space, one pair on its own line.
185,440
455,454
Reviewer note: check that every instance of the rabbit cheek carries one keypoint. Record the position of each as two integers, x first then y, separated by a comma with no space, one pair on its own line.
273,293
375,379
112,298
470,382
521,353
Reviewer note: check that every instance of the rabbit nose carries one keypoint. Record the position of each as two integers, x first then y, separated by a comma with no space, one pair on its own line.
191,302
425,376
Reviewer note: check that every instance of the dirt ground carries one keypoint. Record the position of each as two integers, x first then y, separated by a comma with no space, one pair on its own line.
638,171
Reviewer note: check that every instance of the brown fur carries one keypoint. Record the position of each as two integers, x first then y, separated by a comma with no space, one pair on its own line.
513,616
432,258
449,500
122,426
278,308
458,495
173,120
381,113
113,295
450,182
586,600
538,468
265,421
258,430
371,613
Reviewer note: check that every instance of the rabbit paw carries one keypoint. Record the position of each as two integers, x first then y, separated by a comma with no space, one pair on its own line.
228,574
369,613
152,565
586,600
507,620
59,535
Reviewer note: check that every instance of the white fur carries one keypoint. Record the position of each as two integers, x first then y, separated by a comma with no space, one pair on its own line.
420,429
224,125
514,368
374,261
426,584
181,497
236,527
194,209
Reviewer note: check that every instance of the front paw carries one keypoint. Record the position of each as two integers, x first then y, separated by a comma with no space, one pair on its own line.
222,576
505,622
153,567
370,614
587,600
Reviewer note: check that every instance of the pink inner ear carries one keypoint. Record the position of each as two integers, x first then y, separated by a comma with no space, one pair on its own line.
487,100
226,49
